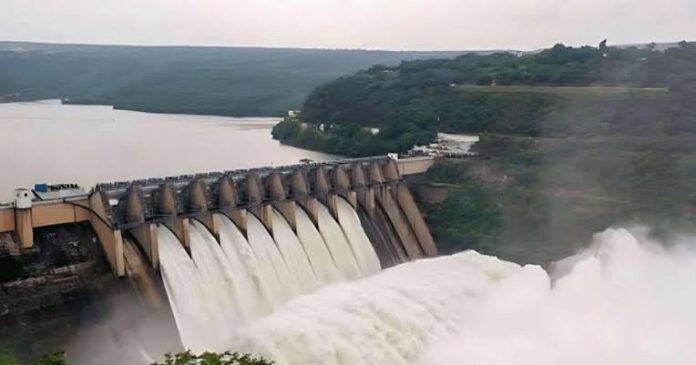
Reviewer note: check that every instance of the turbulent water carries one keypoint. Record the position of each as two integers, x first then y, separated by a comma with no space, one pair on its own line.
222,287
625,300
364,252
186,296
316,249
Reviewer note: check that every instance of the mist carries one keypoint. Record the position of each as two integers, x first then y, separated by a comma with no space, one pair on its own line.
626,299
122,328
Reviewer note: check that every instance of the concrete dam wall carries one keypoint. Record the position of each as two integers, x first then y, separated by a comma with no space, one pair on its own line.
373,187
227,247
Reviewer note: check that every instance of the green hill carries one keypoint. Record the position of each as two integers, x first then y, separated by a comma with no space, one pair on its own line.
573,140
413,100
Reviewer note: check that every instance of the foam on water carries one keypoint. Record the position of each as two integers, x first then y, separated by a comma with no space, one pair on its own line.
223,286
625,301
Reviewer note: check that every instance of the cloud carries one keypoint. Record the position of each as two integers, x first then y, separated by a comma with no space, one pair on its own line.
389,24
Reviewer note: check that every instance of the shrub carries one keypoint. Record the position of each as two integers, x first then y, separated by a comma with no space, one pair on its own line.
210,358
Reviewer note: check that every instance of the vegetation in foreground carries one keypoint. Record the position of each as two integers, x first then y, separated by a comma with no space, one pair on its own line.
182,358
54,359
210,358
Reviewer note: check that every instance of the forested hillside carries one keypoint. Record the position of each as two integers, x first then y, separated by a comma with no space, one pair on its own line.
198,80
411,101
572,140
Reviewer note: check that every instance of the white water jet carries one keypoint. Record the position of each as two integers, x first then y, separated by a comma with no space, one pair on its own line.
227,285
217,281
338,245
315,247
183,285
625,301
253,291
389,318
293,254
364,251
282,286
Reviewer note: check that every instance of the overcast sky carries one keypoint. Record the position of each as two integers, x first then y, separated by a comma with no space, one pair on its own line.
374,24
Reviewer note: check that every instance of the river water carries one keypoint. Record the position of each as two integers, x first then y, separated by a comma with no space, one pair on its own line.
53,143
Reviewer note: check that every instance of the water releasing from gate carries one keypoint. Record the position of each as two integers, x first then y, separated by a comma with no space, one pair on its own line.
316,249
624,300
225,284
186,296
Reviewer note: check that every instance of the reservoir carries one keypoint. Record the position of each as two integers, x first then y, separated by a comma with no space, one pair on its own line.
54,143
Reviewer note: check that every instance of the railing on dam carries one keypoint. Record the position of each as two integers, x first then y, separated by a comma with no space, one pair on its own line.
373,186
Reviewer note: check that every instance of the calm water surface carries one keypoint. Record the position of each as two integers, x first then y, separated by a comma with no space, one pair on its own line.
54,143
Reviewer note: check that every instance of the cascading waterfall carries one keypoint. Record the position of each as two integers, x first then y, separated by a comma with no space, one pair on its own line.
338,245
186,296
626,300
216,278
253,291
363,249
388,318
293,254
274,271
317,252
224,287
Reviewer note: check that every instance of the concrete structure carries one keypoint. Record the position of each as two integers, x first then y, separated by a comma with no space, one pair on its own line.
374,186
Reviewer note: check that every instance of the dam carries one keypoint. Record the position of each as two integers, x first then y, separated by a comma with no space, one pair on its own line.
232,246
373,187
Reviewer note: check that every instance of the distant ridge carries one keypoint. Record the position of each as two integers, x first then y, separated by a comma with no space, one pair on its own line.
230,81
37,46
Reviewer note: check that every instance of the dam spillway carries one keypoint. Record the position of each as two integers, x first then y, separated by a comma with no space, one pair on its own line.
220,287
308,194
234,247
374,187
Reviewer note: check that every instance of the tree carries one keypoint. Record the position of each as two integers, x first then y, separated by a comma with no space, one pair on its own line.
603,45
469,218
54,359
8,359
210,358
182,358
